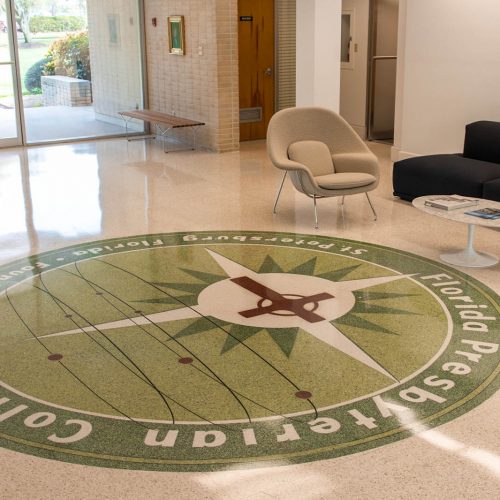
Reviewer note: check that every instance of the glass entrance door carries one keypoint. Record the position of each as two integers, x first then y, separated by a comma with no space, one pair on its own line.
80,65
10,117
67,69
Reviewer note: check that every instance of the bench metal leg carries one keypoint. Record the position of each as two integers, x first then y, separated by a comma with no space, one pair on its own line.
127,133
126,120
164,134
195,131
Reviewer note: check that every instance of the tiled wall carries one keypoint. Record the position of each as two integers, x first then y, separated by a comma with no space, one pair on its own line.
203,83
115,57
228,84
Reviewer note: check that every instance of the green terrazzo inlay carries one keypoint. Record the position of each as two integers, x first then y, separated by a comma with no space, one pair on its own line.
209,350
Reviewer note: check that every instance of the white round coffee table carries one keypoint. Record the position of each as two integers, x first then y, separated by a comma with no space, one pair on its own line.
468,257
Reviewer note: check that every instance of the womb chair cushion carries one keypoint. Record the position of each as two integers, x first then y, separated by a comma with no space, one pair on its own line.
347,180
315,155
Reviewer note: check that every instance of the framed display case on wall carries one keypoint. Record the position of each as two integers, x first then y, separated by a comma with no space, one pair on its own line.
176,35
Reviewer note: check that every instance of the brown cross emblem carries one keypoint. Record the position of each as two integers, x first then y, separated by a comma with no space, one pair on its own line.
279,302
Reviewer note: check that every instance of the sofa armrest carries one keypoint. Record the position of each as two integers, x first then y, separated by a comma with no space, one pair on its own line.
482,141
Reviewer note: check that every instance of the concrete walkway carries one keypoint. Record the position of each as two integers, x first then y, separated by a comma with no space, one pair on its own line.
52,123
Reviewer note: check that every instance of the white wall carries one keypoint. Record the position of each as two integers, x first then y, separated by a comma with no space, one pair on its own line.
115,65
318,53
448,75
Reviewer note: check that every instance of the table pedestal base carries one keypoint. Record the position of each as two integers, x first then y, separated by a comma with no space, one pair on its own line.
469,257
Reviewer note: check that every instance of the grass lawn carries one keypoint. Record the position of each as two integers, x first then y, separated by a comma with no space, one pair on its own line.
28,55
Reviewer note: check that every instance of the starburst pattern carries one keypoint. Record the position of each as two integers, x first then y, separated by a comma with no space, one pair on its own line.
244,283
284,339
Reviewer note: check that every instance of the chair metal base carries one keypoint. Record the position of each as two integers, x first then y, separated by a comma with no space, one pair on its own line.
375,216
315,198
279,192
315,213
316,225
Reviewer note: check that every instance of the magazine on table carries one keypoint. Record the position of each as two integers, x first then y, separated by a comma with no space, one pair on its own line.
450,202
486,213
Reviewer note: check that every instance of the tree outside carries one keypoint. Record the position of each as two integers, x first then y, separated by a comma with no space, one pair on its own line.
51,34
26,10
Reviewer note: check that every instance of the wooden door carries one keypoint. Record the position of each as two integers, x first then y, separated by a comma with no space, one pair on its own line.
256,67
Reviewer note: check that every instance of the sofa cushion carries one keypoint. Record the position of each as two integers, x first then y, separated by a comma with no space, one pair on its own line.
315,155
491,190
346,180
482,141
442,174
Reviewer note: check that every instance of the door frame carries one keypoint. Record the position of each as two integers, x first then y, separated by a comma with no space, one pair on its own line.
19,139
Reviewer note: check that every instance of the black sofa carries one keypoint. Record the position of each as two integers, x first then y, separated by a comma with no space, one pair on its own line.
474,173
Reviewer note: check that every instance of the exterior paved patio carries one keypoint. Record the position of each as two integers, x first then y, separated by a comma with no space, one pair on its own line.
53,123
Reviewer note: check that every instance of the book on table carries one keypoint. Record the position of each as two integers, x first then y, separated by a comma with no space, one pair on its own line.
450,202
486,213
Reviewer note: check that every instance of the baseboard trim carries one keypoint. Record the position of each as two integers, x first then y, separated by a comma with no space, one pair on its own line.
397,154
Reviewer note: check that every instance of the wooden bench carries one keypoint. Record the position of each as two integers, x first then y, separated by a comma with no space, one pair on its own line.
163,123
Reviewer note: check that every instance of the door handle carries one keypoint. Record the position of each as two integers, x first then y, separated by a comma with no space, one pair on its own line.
268,72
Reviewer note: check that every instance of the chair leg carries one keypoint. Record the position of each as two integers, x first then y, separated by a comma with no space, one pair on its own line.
279,192
342,206
371,206
315,213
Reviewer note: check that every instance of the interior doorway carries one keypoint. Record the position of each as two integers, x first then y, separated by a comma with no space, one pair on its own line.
354,63
67,69
383,62
368,67
256,47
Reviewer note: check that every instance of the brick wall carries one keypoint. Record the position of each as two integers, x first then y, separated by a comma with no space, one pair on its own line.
65,91
227,67
203,83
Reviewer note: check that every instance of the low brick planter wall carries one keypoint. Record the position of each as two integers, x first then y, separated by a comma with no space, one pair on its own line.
65,91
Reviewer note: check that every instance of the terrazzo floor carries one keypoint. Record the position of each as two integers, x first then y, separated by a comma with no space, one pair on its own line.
64,195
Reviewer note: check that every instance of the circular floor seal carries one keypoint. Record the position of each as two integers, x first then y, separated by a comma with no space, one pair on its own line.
214,350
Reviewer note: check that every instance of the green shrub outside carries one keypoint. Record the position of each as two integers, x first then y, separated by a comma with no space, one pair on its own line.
32,78
47,24
69,56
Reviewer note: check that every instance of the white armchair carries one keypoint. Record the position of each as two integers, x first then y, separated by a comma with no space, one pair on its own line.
322,154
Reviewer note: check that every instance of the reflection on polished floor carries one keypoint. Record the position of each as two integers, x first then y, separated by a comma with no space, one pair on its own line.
56,196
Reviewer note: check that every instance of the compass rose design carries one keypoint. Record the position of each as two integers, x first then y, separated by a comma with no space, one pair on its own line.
269,300
210,350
